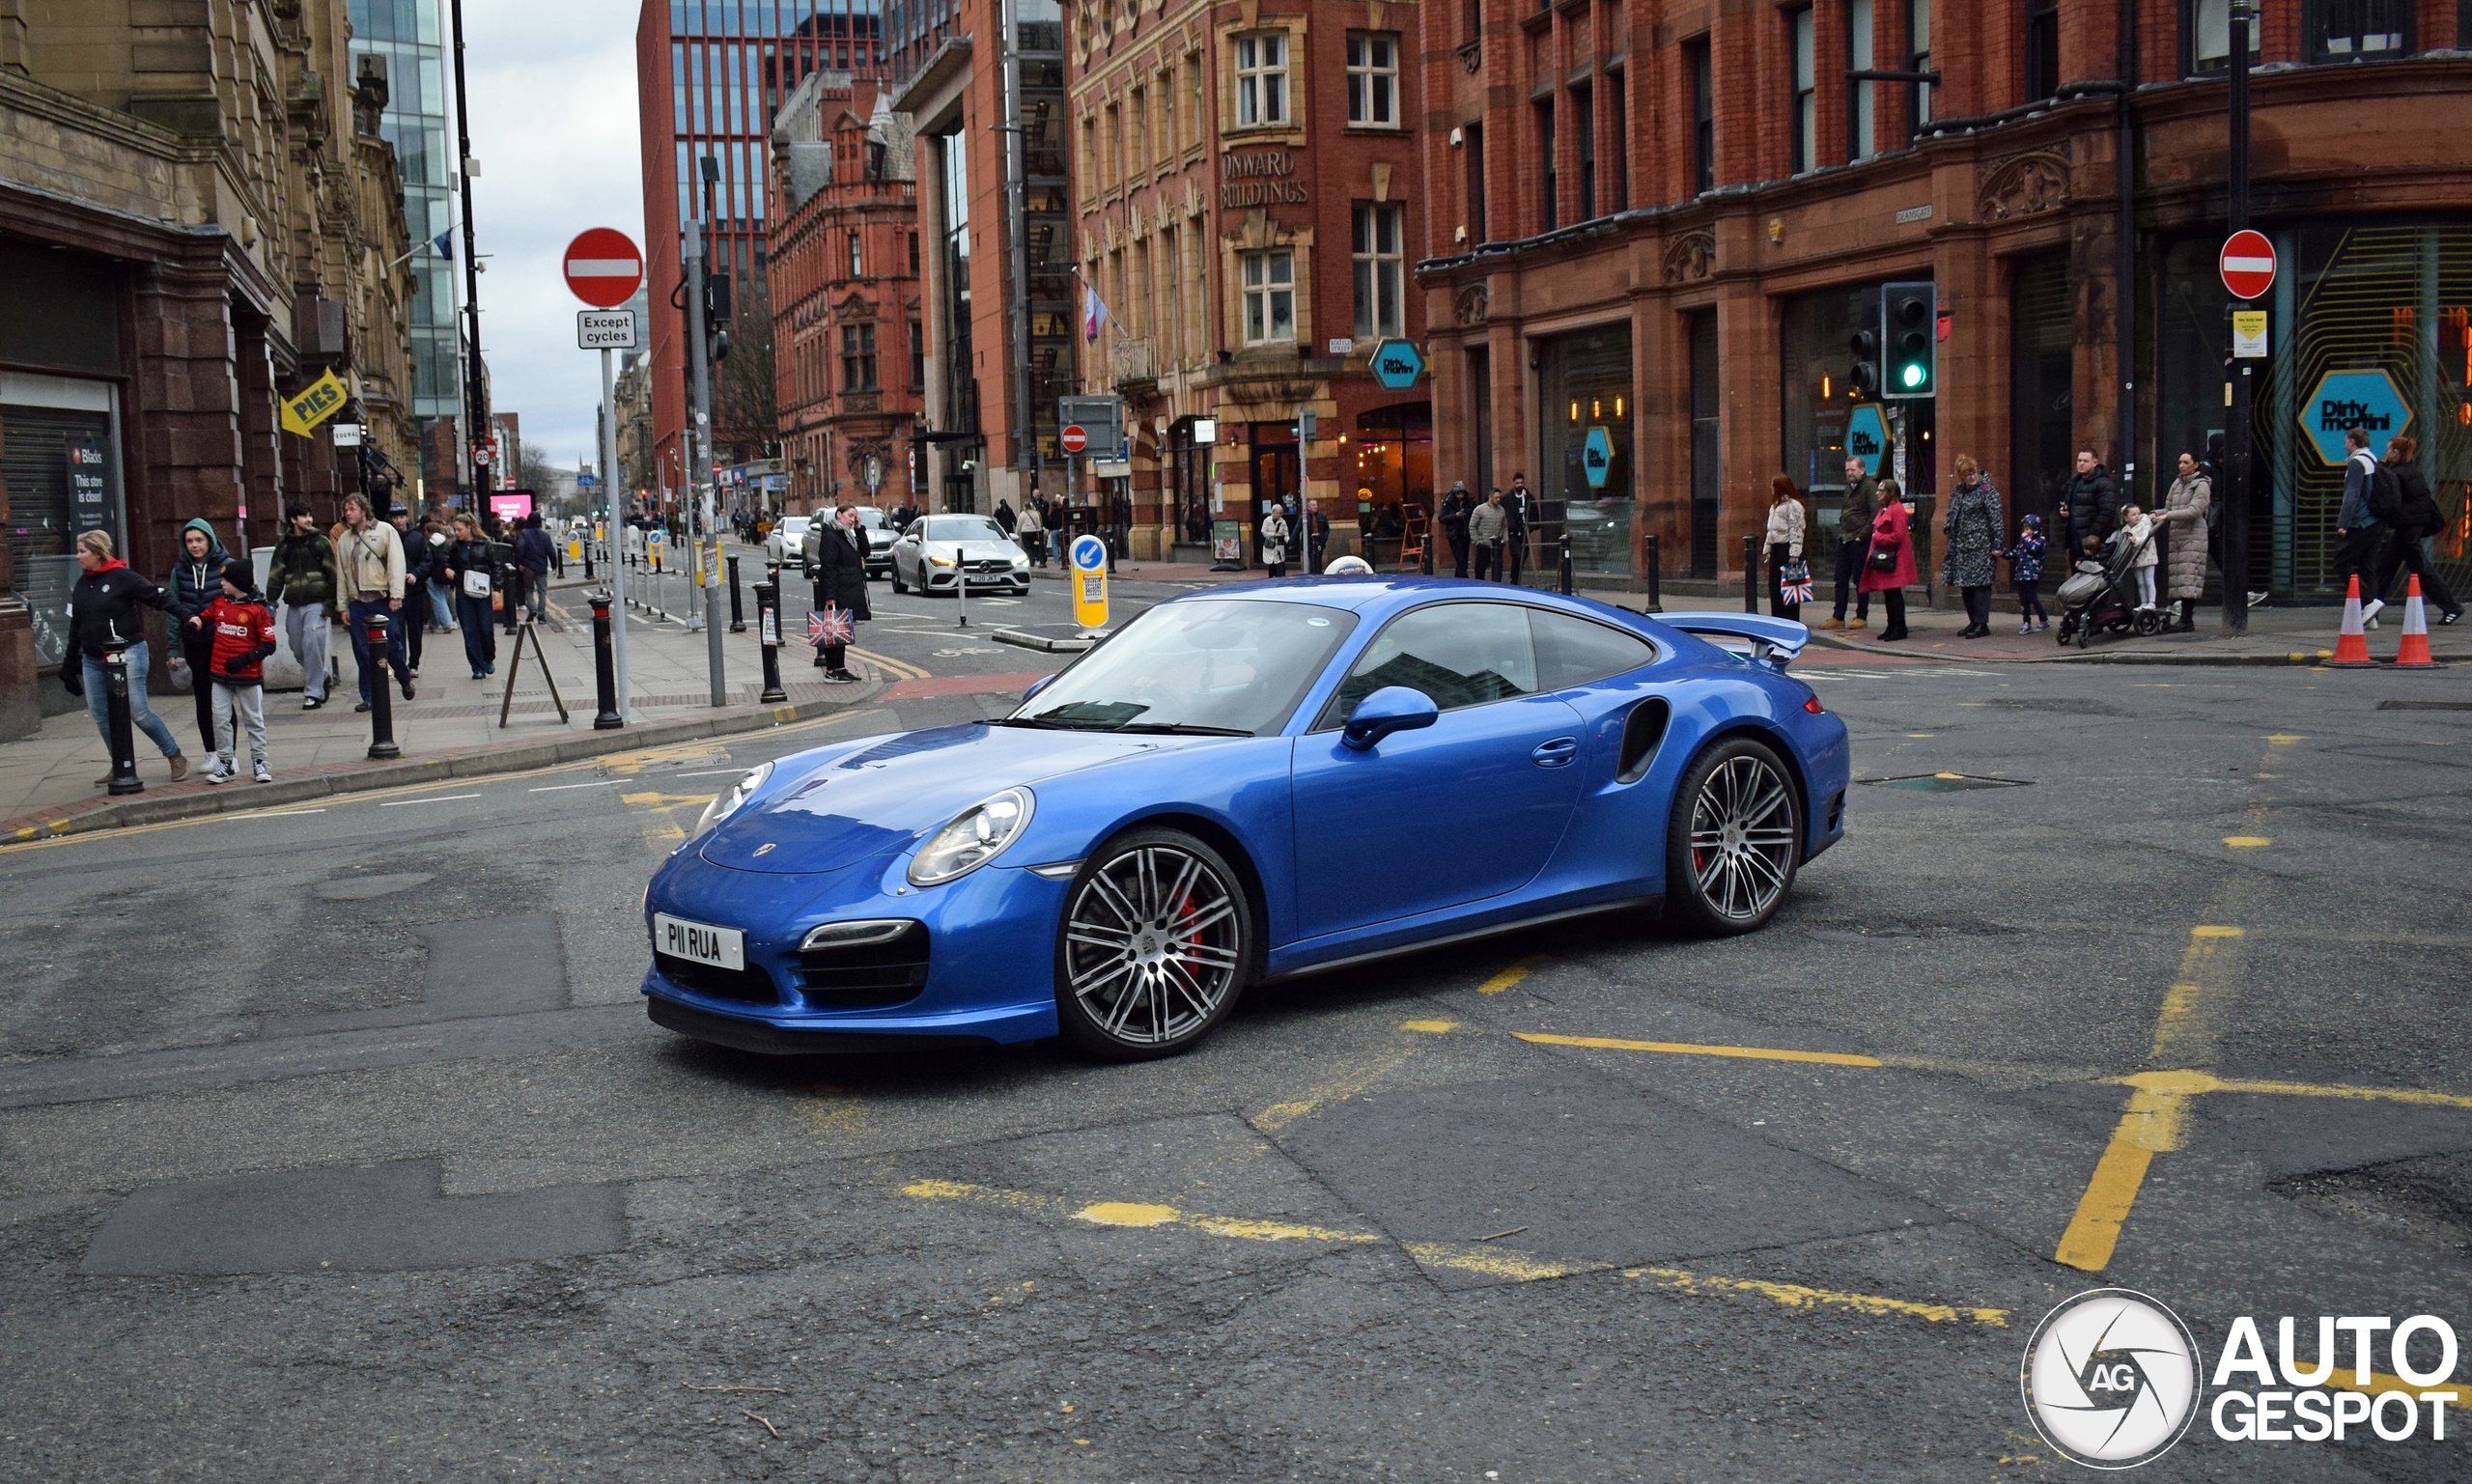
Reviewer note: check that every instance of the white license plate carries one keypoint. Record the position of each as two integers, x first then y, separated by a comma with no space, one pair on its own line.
699,942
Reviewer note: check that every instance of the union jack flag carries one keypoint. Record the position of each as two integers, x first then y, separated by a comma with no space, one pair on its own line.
830,627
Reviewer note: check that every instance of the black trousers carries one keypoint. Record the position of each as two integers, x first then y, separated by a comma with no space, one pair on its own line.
2403,550
1458,554
2357,553
1979,605
1895,599
1515,551
1849,571
1779,554
197,647
1489,563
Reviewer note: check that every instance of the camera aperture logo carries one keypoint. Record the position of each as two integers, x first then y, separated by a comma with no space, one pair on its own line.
2111,1379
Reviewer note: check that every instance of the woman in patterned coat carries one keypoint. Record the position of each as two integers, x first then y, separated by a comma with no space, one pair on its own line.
1974,528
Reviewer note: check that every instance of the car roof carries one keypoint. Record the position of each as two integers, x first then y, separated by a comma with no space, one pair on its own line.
1379,598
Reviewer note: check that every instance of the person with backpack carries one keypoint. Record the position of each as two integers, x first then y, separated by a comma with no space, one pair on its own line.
2416,520
243,629
2359,530
301,577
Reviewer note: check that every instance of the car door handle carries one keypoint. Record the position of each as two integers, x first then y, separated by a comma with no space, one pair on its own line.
1556,753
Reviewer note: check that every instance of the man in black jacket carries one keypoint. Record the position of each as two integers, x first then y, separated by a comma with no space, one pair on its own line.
103,611
2415,520
302,578
2090,505
1520,507
1453,517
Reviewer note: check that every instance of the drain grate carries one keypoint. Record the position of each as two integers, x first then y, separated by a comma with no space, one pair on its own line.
1946,783
2425,706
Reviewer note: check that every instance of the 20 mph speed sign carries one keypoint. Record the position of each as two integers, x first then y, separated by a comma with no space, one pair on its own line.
2248,264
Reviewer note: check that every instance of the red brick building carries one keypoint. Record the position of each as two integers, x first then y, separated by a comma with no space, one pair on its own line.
849,341
1246,206
1666,222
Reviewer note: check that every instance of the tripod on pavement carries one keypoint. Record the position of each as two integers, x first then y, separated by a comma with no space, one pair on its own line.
524,635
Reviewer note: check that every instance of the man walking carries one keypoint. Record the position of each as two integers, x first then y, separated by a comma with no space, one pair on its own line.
370,560
2358,530
1519,507
1317,537
533,550
1488,528
302,574
1854,544
2089,506
1453,517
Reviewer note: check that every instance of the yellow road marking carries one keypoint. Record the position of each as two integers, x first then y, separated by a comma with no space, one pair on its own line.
2184,1031
2150,1125
1498,1262
1756,1053
1513,974
1356,1079
1430,1027
2246,842
2192,1083
900,669
1796,1296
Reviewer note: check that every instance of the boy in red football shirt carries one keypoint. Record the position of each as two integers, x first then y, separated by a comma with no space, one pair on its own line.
243,632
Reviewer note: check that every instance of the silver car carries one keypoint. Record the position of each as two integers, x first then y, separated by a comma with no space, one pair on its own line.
787,537
937,551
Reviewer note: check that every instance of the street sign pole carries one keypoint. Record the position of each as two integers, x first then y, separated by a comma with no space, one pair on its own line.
700,472
2235,433
617,569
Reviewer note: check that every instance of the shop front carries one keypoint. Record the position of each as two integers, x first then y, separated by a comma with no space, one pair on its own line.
1389,462
1585,475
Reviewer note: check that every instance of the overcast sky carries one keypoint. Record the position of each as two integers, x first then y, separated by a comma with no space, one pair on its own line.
554,128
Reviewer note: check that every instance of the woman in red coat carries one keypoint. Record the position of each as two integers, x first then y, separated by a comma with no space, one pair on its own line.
1889,536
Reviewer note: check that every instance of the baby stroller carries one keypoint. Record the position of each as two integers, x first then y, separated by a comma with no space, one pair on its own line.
2102,593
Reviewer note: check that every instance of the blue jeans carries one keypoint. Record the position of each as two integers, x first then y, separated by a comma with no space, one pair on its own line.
141,716
441,606
357,618
480,639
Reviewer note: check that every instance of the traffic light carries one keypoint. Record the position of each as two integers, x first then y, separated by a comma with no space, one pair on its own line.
1909,333
1864,380
717,317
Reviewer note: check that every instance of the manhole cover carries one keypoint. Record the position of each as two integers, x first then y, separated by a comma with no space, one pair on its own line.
1946,783
2425,706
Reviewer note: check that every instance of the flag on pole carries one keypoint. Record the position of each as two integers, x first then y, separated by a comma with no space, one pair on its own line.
444,242
1094,314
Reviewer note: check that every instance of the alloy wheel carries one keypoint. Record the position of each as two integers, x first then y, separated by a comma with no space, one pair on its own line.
1742,837
1154,945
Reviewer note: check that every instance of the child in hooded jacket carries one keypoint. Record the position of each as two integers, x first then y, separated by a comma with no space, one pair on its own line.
2026,575
243,631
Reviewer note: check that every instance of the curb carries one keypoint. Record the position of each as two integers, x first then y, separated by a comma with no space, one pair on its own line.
2309,658
1039,641
522,757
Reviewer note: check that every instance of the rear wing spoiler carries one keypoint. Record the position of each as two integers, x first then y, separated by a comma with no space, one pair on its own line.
1771,641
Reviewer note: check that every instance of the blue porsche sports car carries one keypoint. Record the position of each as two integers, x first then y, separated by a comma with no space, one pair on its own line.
1243,784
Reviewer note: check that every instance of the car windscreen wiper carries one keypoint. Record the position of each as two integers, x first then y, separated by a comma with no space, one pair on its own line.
1033,721
1180,729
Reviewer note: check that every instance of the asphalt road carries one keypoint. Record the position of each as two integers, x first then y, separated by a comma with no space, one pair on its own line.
334,1144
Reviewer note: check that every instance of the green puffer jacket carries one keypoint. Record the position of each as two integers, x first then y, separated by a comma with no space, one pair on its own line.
303,571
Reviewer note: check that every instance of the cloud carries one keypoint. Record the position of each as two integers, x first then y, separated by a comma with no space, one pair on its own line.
555,127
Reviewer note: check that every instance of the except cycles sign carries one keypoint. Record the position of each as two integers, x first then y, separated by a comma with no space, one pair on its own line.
606,329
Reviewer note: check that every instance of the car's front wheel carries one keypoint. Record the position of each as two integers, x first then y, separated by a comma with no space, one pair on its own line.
1155,945
1734,841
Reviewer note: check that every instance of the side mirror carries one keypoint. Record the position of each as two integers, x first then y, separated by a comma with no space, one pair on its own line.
1390,708
1037,686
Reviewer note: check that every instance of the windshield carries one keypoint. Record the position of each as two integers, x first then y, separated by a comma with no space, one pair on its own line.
959,528
793,524
871,516
1210,664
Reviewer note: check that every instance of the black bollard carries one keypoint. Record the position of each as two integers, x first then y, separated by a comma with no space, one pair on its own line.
588,542
604,664
124,779
1750,574
1656,577
768,629
382,691
738,617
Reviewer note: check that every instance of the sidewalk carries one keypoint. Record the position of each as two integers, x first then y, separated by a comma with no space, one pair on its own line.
2277,635
450,729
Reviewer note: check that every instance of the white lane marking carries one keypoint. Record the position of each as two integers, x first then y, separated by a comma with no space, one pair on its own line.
560,788
438,799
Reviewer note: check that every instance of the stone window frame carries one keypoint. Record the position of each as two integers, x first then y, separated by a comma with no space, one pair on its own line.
1371,263
1267,290
1373,75
1261,73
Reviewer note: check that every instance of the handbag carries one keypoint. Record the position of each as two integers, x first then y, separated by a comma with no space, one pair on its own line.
1883,559
476,582
1794,581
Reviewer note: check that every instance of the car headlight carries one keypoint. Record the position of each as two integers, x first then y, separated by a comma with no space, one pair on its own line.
941,561
976,835
728,802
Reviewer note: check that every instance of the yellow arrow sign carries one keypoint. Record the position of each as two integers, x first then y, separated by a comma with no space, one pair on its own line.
303,412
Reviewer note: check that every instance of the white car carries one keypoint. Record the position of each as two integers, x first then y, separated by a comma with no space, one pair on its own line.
788,536
937,551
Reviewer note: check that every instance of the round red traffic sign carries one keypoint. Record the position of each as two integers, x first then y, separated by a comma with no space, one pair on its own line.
1074,438
604,268
2248,264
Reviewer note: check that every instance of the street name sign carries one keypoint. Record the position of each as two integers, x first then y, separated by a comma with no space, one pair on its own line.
2248,264
602,268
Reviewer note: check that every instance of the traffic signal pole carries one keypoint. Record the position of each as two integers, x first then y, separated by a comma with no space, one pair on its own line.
2235,433
476,393
700,473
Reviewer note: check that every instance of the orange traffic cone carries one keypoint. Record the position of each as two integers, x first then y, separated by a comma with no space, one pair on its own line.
2415,653
2351,651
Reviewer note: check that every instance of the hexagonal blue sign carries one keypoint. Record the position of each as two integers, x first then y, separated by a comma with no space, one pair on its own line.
2366,400
1597,457
1396,364
1867,437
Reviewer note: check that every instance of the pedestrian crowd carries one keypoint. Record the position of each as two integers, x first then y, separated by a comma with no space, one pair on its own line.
221,629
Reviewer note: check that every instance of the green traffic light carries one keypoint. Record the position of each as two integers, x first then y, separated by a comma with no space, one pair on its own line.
1913,374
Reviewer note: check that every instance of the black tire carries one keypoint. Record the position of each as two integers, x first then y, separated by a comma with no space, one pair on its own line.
1130,984
1734,841
898,585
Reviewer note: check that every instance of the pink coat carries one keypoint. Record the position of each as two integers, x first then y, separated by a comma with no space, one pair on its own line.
1888,533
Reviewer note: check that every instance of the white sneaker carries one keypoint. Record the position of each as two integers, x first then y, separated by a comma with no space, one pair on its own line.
262,776
219,776
2369,612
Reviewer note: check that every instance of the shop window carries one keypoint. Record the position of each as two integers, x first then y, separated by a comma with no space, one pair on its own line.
2357,29
1261,79
1918,59
1547,216
1704,115
858,357
1373,80
917,357
2042,49
1584,383
1269,298
1380,270
2205,32
1805,102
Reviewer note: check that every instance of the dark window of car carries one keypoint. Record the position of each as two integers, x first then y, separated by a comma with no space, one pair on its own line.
1458,654
1214,664
1577,651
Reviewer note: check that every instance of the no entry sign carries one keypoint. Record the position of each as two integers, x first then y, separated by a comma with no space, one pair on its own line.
604,268
2248,264
1074,438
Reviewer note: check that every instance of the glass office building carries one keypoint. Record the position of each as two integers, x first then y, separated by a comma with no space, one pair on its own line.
410,35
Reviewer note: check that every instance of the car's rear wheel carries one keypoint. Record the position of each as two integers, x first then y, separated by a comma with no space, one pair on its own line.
1734,841
1155,945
